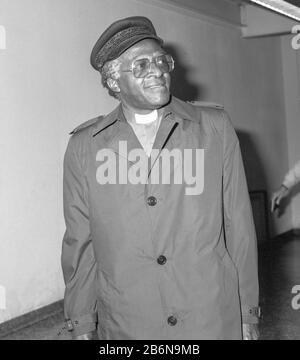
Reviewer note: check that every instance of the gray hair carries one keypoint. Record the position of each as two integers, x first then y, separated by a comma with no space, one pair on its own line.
110,70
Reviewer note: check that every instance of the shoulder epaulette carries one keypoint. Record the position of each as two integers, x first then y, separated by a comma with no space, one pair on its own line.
206,104
86,124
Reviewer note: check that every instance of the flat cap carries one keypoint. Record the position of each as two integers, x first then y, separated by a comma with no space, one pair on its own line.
119,37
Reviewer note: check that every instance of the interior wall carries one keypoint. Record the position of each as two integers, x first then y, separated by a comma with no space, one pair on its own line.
291,77
48,87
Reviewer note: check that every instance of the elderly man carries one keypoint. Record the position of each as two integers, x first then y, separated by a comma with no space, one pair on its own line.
160,241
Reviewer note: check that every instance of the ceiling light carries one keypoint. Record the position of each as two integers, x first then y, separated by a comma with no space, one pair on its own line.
281,7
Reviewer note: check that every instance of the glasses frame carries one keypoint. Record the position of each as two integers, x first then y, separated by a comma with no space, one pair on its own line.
153,61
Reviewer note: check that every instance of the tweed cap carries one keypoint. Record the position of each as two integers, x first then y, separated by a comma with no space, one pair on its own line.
119,37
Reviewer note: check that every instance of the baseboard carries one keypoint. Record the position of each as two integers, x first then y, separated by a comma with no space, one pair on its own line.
288,234
296,232
30,318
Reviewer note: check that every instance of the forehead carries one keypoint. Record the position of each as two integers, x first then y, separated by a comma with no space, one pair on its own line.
145,47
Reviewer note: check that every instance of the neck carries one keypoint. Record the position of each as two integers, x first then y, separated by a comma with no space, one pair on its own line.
139,116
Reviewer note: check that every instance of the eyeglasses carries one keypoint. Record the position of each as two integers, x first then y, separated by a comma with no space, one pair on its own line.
141,67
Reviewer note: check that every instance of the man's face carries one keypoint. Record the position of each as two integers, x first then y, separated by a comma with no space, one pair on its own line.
150,92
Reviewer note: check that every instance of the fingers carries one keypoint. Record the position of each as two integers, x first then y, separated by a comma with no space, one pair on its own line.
88,336
275,202
250,332
277,197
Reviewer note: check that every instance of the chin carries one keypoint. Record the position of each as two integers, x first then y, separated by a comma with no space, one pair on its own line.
160,99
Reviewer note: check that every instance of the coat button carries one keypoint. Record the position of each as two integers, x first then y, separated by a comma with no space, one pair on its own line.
172,321
161,260
151,201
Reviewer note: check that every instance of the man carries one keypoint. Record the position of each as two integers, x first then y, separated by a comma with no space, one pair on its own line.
291,179
146,256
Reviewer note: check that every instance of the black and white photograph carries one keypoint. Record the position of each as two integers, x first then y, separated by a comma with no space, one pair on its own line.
150,173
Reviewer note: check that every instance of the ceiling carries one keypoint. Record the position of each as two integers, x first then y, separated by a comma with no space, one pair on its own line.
253,18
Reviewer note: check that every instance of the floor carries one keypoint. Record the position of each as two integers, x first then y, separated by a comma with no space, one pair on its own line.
279,272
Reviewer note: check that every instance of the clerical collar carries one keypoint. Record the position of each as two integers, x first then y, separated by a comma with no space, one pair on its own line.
146,118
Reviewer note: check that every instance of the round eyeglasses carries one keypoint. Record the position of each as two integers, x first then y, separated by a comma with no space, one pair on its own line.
140,68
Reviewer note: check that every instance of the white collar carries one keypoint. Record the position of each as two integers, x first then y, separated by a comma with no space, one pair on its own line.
146,118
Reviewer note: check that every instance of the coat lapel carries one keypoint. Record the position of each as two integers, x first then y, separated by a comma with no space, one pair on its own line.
118,135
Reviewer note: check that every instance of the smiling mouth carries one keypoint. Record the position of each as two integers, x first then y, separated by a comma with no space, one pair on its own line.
153,86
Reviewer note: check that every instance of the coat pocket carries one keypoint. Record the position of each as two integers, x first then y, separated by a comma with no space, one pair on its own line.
227,263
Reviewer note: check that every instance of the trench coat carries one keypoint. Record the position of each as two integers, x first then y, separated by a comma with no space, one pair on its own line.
146,260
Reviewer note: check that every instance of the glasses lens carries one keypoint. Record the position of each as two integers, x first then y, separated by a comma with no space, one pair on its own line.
165,63
141,67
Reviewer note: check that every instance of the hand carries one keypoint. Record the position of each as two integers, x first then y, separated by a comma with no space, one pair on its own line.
278,196
250,332
88,336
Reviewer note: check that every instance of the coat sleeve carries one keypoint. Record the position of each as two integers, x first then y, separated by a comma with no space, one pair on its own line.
292,177
78,261
240,232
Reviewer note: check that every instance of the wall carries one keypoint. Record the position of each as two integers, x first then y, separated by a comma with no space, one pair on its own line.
48,87
291,76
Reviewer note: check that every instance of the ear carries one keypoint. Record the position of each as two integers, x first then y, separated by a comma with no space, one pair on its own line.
113,85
